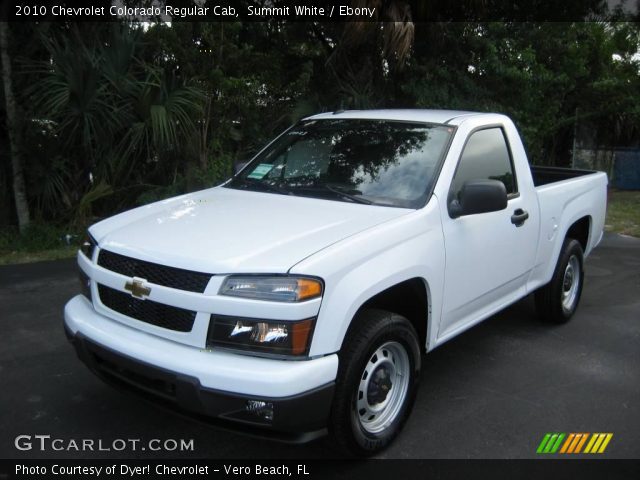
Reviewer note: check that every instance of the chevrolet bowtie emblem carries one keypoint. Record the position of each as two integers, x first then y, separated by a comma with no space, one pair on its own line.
137,288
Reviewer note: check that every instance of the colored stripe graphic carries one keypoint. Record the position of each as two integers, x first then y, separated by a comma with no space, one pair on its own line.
596,445
598,442
574,444
555,447
554,442
550,443
591,442
581,443
605,443
543,443
567,442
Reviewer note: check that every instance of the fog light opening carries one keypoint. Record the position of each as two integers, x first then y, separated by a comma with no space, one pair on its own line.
264,410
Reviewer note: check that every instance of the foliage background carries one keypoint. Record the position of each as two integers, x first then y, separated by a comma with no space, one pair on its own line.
114,115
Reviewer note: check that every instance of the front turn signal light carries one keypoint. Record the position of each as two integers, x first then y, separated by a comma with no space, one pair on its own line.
280,288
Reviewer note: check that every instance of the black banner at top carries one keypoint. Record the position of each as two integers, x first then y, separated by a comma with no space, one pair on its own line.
318,10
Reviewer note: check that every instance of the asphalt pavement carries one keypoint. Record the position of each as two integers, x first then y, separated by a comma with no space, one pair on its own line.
492,392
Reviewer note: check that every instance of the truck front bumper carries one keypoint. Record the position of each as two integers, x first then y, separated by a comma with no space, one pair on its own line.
286,400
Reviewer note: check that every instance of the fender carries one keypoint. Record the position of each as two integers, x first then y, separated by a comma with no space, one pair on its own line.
382,262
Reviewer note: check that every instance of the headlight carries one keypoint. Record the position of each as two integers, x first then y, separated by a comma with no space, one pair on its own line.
88,246
274,288
259,335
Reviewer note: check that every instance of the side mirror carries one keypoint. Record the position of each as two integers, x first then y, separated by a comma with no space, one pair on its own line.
237,166
479,196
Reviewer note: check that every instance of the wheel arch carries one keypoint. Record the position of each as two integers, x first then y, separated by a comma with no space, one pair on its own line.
410,298
580,230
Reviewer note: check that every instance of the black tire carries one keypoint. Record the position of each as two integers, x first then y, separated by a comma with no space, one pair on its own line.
386,334
553,302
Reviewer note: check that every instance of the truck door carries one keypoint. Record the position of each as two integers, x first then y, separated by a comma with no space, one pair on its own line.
488,255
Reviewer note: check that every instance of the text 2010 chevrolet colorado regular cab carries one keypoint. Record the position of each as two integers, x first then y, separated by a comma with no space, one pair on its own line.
298,297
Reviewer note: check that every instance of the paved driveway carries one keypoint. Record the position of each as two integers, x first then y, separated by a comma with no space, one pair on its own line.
493,392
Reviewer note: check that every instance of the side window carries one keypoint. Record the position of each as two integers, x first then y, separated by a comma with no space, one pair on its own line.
485,156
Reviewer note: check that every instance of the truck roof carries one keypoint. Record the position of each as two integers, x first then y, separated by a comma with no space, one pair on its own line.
416,115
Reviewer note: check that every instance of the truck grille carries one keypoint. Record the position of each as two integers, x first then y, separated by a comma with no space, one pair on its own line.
148,311
154,273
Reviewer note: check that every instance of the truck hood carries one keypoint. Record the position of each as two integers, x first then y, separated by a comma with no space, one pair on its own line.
222,230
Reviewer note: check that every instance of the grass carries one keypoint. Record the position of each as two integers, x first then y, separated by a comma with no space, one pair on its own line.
40,242
16,256
623,212
44,242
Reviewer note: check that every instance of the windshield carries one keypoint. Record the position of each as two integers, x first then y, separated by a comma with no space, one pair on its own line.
375,162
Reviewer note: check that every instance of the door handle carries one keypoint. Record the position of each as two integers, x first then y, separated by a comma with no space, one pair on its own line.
519,217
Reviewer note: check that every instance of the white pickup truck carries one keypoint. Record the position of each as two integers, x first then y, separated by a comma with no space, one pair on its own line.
299,296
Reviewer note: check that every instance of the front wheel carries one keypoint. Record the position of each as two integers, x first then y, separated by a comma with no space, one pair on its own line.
558,300
377,382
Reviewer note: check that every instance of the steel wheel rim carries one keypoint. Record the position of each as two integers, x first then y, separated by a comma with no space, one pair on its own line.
383,387
570,284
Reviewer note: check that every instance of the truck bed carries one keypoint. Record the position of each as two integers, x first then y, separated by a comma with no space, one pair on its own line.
545,175
566,196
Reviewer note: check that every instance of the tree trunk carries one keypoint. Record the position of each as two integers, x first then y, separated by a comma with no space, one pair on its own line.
204,134
19,188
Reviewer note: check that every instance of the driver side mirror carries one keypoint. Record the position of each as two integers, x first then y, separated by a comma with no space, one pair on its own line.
478,196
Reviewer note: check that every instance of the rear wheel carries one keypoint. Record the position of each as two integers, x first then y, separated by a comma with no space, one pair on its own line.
377,382
558,300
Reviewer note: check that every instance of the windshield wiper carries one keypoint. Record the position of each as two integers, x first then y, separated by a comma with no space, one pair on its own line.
264,186
320,187
339,192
